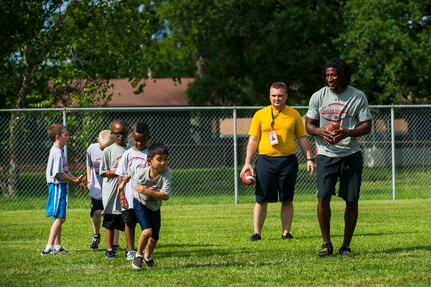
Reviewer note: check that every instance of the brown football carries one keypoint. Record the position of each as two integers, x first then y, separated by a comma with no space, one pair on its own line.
247,178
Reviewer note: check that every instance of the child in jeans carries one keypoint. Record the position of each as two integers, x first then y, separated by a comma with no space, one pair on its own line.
153,185
137,155
57,176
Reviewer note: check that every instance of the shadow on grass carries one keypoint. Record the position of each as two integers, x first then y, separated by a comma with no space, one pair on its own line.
406,249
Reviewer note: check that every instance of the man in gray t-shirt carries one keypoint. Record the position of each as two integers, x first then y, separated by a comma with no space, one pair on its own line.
337,115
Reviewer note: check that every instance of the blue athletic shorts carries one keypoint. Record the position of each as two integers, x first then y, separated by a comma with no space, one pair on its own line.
148,218
348,169
57,200
276,178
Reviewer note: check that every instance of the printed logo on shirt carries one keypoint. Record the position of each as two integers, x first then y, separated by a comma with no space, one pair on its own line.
334,112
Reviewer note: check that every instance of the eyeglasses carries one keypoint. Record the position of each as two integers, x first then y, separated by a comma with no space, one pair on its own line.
119,134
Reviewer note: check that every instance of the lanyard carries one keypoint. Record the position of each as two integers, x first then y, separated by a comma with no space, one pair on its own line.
274,116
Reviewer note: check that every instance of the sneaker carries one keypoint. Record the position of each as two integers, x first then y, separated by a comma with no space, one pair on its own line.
115,248
287,236
95,242
255,237
61,249
49,252
110,254
130,254
345,251
137,262
326,250
150,263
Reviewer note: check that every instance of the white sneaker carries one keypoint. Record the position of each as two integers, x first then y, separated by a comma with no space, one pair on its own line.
130,254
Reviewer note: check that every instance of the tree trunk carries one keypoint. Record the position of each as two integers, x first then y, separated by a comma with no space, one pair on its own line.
13,167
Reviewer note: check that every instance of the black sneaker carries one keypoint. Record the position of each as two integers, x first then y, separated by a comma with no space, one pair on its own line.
150,263
345,251
287,236
50,251
61,249
255,237
115,248
137,262
326,250
110,254
95,242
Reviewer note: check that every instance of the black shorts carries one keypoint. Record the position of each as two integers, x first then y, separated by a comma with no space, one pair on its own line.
348,169
113,221
276,178
96,204
129,217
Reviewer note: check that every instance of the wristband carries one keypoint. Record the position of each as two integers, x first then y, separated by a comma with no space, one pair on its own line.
310,159
88,182
108,173
123,197
78,180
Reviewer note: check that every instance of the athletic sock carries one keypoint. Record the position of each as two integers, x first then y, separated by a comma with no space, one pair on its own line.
49,246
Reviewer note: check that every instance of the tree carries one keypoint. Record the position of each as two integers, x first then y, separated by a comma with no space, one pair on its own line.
388,46
240,46
66,52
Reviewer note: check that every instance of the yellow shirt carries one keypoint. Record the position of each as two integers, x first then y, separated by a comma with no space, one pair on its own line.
287,125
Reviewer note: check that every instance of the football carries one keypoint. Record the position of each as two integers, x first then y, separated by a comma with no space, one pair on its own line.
332,128
247,178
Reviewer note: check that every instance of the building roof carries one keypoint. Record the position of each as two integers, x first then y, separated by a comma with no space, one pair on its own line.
157,92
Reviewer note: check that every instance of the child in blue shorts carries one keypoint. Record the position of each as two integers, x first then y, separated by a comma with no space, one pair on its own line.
153,185
57,176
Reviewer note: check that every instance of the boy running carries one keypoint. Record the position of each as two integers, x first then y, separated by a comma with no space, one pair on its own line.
153,186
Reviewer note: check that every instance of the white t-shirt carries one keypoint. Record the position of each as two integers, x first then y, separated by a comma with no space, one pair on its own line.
130,159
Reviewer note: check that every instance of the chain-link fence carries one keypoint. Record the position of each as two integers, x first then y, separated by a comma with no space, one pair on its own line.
207,148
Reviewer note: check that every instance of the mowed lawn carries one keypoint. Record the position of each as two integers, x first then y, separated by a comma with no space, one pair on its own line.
207,245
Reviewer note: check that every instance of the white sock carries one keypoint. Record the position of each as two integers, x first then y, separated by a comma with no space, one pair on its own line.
57,247
48,247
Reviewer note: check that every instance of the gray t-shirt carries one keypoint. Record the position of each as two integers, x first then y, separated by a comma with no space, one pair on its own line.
93,159
110,158
57,163
162,183
347,109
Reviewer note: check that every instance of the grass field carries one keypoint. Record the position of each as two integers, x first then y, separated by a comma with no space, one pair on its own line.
207,245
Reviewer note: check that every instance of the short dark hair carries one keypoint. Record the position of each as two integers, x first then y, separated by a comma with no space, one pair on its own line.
157,148
142,128
54,130
342,68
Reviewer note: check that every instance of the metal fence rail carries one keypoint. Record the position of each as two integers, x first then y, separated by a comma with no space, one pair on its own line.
207,147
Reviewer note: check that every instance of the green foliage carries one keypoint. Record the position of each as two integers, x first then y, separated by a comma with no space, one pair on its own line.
207,245
244,46
387,44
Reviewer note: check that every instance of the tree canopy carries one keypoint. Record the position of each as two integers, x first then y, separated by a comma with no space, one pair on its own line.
234,48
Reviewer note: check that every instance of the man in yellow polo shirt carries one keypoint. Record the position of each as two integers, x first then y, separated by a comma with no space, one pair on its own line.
272,133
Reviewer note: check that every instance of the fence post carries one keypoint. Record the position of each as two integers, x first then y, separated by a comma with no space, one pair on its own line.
394,192
235,155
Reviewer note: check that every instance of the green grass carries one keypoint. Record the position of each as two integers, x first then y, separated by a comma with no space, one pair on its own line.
206,245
